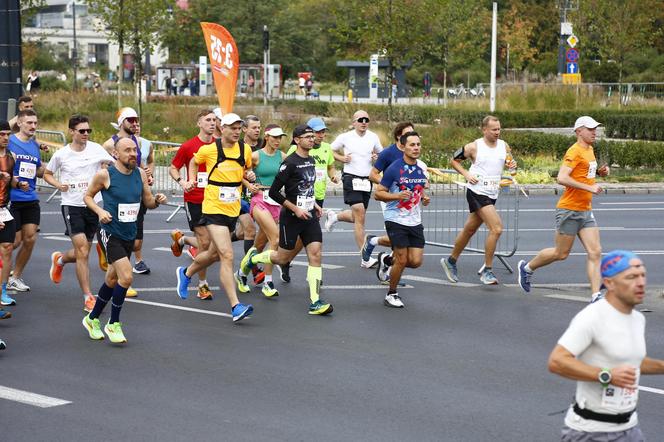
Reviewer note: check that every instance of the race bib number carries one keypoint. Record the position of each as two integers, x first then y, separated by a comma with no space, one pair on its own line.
305,202
127,213
228,194
267,199
78,186
621,399
320,174
361,185
592,169
27,170
489,183
201,180
5,215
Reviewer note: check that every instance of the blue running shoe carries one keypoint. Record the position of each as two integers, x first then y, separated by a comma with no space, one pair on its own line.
450,270
6,300
183,282
524,276
4,314
367,248
241,311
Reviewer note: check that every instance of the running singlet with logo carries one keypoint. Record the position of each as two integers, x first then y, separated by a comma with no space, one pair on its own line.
584,167
297,176
122,200
323,157
27,163
6,171
400,176
182,158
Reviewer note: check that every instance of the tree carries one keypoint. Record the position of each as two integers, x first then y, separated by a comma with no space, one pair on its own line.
517,31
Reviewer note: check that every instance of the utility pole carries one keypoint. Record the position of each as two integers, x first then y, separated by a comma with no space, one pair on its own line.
565,30
75,51
266,61
494,44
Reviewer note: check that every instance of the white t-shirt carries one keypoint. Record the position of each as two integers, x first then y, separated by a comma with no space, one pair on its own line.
77,169
601,336
360,148
488,168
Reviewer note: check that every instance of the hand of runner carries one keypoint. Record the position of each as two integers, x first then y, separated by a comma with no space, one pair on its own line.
302,214
595,188
63,187
604,170
334,179
23,185
105,217
346,158
425,199
2,225
249,175
253,188
623,376
319,211
374,157
470,178
160,198
405,195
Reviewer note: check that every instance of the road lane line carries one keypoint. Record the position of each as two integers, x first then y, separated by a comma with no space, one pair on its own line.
437,281
651,390
631,203
176,307
34,399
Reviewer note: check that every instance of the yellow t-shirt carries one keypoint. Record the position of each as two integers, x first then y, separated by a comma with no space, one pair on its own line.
584,167
223,200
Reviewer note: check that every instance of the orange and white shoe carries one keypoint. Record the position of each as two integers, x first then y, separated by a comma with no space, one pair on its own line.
204,293
89,303
56,269
191,252
176,248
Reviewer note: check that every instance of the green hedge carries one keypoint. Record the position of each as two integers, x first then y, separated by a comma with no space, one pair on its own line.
635,126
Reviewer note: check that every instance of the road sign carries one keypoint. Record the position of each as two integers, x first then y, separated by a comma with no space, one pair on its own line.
572,55
572,41
571,78
572,68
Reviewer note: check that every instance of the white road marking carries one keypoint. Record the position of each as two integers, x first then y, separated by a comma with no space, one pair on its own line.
651,390
58,238
438,281
632,203
176,307
325,266
570,298
34,399
521,253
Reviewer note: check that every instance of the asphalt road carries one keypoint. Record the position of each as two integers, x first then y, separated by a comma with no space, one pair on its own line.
459,363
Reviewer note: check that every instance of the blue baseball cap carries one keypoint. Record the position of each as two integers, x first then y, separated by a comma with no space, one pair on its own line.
317,124
615,262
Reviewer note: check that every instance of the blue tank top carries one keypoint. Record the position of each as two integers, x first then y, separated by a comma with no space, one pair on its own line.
122,200
138,147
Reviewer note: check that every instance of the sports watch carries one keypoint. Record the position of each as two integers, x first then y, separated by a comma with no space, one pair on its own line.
604,377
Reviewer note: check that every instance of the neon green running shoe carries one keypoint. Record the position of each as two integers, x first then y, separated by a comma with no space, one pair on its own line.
93,328
114,332
246,264
241,281
269,291
320,307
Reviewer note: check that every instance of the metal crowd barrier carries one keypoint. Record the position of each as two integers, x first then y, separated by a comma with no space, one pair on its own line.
446,215
164,152
55,139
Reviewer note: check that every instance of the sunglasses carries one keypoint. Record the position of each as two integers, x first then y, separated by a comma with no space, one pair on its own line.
363,120
132,120
306,137
84,131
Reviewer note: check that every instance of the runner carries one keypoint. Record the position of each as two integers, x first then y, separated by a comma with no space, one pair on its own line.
147,163
123,186
229,164
402,188
574,216
488,156
324,159
299,218
360,148
604,350
24,102
77,162
193,200
7,223
24,205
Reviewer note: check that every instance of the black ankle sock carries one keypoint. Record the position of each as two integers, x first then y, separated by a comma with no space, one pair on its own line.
234,237
451,260
248,243
388,260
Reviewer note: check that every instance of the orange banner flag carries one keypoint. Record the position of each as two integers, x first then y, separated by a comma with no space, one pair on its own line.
225,63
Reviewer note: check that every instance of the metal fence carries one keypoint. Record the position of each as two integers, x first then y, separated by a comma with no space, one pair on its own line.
446,215
164,152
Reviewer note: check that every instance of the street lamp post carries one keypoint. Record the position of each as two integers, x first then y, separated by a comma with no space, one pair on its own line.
75,51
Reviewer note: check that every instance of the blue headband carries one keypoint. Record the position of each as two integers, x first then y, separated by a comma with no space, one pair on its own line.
615,262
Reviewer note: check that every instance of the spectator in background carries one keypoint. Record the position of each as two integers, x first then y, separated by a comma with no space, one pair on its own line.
174,85
33,83
167,85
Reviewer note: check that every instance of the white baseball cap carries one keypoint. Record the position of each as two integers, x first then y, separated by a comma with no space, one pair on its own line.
587,122
229,119
217,113
126,112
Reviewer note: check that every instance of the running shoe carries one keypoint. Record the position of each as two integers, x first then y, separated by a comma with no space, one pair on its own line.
191,252
330,220
450,270
367,248
241,311
176,248
101,254
368,263
131,293
141,268
246,264
524,276
596,297
393,300
204,293
93,328
56,269
284,272
259,275
488,278
183,282
382,269
17,284
114,332
269,291
7,300
89,303
320,307
4,314
241,281
3,346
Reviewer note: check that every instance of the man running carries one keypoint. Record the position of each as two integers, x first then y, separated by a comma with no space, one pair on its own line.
574,216
193,200
604,350
228,164
402,188
357,149
24,102
24,205
487,155
124,186
77,162
299,218
7,222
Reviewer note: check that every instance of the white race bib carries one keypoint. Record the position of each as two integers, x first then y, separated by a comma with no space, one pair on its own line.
228,194
490,184
201,179
320,174
305,202
361,185
267,199
27,170
592,169
127,213
5,215
620,399
78,186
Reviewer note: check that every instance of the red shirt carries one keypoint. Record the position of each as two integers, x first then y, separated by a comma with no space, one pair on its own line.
182,158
